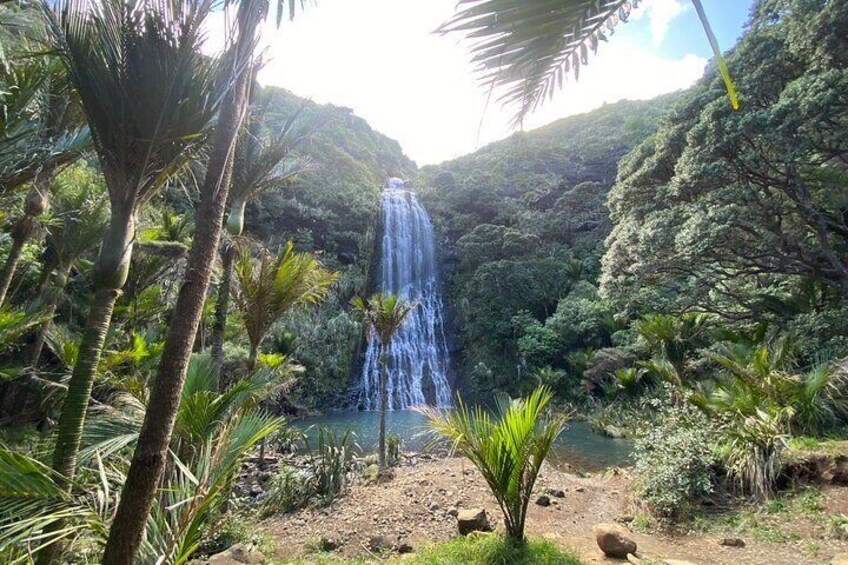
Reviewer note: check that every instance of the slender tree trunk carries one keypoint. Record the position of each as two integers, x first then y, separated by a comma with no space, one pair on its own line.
110,274
52,302
150,455
74,408
12,259
34,205
221,311
384,401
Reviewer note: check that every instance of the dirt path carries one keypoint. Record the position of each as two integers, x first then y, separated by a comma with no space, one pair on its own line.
415,507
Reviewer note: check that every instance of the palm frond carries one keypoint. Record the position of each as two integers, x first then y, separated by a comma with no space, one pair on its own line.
528,48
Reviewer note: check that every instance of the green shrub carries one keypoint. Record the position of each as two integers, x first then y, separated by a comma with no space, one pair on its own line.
673,461
288,491
393,443
508,449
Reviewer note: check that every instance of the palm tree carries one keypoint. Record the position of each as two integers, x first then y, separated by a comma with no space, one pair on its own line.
262,161
80,214
529,47
151,451
508,449
148,94
270,287
214,434
383,315
42,132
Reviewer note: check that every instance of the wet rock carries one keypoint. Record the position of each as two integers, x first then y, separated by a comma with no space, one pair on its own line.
238,554
472,520
731,542
543,500
613,540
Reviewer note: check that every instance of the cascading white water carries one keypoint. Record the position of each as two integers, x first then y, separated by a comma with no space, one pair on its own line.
418,353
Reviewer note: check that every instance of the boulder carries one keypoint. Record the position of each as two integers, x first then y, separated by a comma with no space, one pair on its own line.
472,520
613,540
238,554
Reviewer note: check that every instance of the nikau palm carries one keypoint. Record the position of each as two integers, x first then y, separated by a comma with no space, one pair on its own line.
148,95
271,286
262,161
383,315
151,452
527,48
508,448
40,124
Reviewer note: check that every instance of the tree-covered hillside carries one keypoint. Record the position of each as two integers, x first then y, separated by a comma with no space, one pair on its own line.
523,223
330,209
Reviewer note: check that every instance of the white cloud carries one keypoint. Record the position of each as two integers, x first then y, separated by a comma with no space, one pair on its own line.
381,59
660,14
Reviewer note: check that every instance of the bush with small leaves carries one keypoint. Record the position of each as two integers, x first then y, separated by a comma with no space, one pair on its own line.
673,461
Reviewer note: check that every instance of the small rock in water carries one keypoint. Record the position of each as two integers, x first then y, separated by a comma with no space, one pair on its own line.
543,500
613,540
472,520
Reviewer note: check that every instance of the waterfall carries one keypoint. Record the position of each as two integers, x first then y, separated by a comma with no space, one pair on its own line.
418,353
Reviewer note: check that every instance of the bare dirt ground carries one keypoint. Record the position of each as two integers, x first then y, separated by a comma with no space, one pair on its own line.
414,507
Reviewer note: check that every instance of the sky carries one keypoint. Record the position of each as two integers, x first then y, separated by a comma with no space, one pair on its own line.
382,59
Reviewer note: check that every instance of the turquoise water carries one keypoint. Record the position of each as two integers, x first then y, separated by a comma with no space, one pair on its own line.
578,446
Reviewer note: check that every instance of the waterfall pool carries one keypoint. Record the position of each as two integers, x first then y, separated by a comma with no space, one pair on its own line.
577,446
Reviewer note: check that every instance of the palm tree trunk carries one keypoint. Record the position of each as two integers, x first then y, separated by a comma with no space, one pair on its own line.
384,401
52,303
12,259
110,274
150,455
221,310
74,408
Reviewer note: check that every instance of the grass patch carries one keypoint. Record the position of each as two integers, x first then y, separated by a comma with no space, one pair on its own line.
492,549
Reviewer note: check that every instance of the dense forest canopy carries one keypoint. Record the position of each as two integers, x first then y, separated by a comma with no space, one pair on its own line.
523,223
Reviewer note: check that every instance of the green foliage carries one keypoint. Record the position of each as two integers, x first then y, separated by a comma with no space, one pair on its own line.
493,550
522,223
673,461
393,451
270,287
325,478
694,205
508,449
